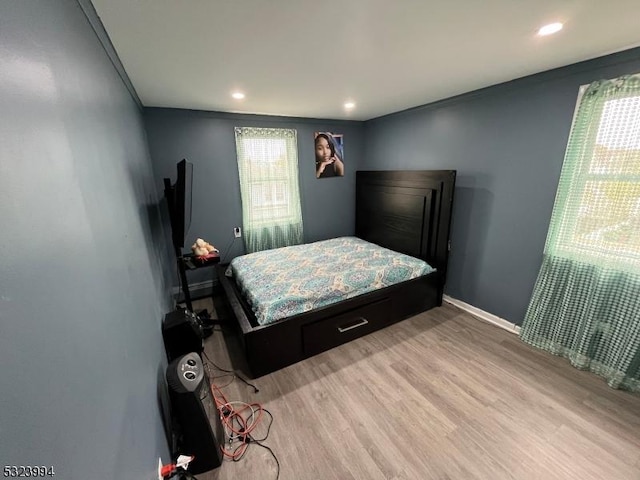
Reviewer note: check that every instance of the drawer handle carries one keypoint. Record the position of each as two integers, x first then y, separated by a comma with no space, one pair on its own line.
363,321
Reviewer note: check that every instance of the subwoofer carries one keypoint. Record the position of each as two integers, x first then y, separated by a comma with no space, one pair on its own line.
182,333
195,419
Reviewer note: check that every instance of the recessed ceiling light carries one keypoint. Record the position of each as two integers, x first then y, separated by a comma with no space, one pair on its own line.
550,29
238,95
349,105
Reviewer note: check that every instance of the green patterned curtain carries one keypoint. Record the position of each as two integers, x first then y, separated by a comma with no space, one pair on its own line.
586,300
268,167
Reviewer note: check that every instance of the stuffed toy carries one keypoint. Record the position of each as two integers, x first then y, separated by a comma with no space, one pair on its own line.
203,249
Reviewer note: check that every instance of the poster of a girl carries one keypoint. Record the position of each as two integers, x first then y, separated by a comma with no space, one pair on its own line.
328,156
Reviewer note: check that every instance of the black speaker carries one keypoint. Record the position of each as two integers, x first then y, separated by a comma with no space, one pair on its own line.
182,332
195,418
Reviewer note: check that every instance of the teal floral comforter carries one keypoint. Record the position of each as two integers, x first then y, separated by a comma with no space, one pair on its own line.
286,281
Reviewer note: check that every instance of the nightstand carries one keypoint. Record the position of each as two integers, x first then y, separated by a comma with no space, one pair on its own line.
191,262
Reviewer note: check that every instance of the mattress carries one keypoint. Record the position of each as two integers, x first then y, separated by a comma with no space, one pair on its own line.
287,281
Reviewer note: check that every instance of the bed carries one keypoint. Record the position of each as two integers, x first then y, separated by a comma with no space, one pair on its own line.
408,212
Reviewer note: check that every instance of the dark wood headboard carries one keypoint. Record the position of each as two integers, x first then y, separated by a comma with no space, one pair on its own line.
408,211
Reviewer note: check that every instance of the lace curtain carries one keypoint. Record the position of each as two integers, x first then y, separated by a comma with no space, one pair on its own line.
268,168
586,300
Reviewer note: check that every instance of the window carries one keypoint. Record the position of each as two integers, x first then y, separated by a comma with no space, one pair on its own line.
601,214
268,168
584,304
267,158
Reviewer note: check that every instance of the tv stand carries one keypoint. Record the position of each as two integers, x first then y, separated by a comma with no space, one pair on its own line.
188,262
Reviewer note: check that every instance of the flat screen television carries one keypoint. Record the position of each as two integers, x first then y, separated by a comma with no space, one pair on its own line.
178,196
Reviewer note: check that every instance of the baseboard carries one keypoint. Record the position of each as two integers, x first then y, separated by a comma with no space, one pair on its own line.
482,315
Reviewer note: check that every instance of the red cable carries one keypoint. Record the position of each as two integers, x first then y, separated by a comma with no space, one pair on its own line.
229,414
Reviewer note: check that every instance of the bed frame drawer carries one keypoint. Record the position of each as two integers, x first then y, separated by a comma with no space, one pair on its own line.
331,332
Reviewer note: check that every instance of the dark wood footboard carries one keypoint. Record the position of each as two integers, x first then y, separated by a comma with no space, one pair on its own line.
271,347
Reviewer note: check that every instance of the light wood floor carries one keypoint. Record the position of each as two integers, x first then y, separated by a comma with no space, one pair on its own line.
439,396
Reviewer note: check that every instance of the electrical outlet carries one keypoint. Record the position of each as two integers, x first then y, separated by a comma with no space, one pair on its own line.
237,232
160,477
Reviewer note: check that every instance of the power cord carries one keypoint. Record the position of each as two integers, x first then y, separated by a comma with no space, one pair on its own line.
239,420
268,428
228,249
255,389
250,440
272,454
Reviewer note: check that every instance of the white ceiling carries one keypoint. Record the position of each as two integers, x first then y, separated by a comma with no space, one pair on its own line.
305,58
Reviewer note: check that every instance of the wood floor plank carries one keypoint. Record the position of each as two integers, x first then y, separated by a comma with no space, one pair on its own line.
440,396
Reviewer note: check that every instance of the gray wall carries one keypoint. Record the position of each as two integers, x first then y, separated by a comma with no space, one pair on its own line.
507,143
82,293
207,140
